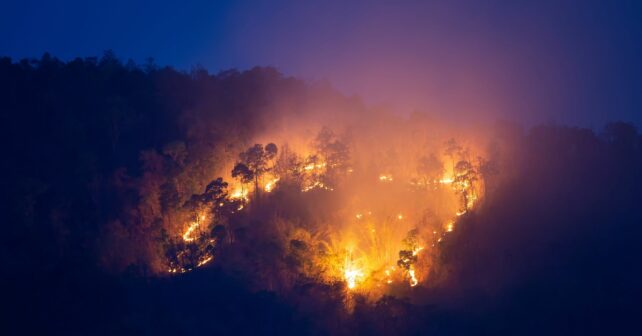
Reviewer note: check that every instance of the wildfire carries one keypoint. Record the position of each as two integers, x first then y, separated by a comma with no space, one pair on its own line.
352,274
190,229
239,193
269,186
374,249
187,235
411,271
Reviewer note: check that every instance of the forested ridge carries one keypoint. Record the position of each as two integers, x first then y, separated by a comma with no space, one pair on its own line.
99,155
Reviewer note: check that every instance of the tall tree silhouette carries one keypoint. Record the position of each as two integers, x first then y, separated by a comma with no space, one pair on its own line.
253,163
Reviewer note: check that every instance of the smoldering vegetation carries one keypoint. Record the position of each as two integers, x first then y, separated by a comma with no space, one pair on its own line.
109,165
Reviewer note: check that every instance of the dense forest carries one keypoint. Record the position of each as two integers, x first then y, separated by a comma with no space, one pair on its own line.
108,160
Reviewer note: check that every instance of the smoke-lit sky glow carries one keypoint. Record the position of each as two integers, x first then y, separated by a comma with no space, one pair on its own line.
574,62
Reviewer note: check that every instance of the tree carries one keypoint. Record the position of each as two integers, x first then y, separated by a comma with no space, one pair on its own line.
408,256
287,164
184,255
215,192
465,177
335,153
253,163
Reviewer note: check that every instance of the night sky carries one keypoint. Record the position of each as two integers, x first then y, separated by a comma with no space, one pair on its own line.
569,62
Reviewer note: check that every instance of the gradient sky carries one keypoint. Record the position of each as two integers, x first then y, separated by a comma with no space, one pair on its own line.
572,62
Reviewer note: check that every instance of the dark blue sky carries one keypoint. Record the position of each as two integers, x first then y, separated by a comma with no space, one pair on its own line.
576,62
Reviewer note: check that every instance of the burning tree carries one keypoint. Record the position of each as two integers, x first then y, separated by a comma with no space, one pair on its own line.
288,164
193,248
465,177
254,162
408,256
332,153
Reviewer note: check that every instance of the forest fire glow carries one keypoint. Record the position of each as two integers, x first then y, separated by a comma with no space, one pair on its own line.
374,248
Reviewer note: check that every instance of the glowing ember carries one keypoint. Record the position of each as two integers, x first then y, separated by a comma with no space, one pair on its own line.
385,178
